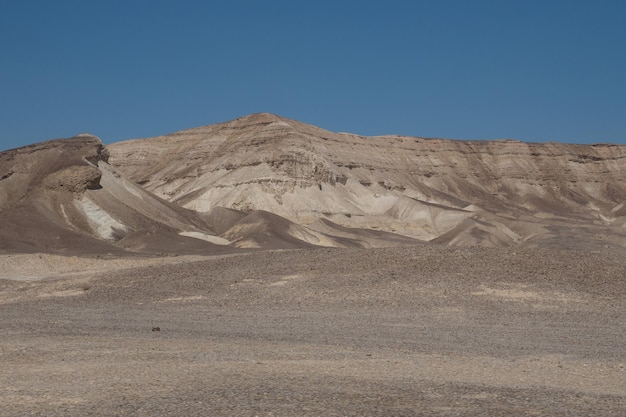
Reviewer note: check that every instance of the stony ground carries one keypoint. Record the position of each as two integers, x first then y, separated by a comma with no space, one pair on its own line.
416,331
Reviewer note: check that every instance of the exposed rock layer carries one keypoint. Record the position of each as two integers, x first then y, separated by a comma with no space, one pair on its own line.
458,192
263,181
63,196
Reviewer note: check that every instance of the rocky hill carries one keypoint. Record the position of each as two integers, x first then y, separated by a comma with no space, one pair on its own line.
445,191
63,196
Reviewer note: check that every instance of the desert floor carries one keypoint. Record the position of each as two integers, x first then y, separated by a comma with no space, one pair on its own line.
413,331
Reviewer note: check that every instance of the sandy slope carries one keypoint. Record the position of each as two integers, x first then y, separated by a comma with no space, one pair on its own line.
413,331
62,196
35,267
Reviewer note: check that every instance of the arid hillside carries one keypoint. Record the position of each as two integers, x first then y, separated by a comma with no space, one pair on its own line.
62,196
451,192
267,267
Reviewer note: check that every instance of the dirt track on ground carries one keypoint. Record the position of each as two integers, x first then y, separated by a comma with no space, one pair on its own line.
416,331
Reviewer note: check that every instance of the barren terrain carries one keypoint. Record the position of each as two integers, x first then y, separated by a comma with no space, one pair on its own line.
412,331
263,181
265,267
461,193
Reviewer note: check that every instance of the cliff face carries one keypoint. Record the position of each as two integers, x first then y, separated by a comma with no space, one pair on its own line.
458,192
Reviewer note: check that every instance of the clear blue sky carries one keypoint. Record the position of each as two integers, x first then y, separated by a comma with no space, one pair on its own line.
471,69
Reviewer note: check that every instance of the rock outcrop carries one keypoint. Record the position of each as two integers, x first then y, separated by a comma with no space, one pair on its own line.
63,165
74,179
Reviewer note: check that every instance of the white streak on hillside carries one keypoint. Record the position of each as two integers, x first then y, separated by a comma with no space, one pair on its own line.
102,223
209,238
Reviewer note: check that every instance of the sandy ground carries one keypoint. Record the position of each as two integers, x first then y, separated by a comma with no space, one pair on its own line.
414,331
35,267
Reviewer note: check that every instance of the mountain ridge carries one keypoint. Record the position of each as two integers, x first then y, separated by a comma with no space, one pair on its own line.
263,181
63,196
302,172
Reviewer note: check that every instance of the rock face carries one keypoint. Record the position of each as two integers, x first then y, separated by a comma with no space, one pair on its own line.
447,191
74,179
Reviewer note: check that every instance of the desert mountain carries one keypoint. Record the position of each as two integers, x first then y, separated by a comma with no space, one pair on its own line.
63,196
264,168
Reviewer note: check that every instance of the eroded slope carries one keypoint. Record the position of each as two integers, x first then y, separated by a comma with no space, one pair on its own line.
458,192
63,196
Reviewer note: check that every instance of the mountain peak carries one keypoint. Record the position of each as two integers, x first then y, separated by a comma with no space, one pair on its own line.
261,119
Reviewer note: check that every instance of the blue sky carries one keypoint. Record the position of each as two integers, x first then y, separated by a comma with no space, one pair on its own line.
528,70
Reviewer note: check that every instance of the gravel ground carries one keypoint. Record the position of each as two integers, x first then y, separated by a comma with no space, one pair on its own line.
414,331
